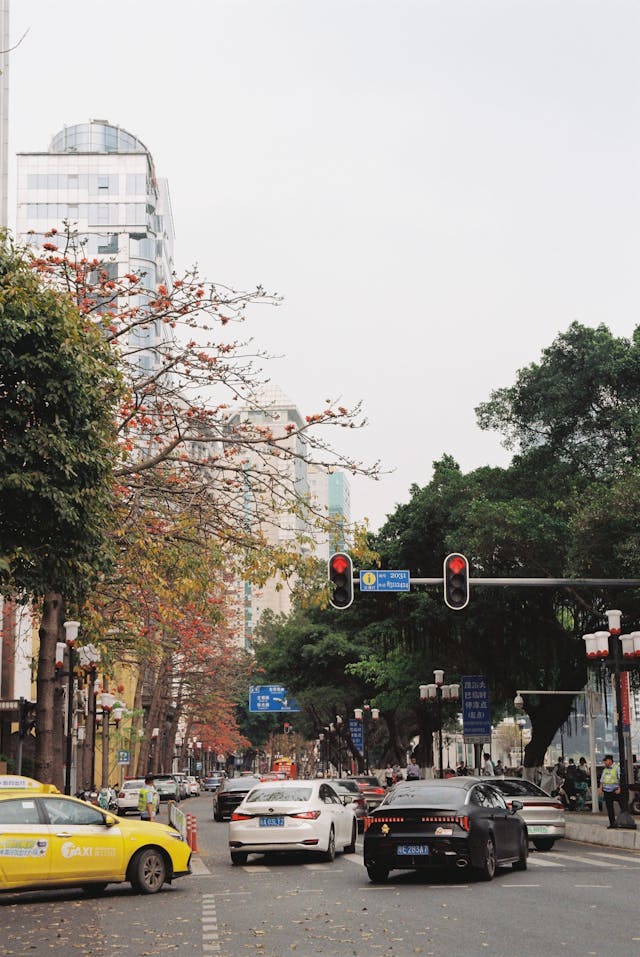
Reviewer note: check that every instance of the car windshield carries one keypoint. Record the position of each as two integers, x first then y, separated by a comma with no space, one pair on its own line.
349,787
131,785
240,784
279,794
428,796
519,788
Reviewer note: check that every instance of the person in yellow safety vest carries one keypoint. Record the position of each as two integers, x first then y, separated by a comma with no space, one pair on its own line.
610,788
146,799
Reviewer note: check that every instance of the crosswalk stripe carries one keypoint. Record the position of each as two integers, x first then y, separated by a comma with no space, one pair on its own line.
543,862
582,860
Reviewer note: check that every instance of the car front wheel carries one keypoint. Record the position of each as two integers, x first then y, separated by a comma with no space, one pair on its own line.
521,863
351,848
330,853
148,871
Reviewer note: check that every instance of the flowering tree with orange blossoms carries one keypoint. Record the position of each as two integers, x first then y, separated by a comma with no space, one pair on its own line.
196,438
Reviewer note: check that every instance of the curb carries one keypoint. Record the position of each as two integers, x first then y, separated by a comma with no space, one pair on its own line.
598,834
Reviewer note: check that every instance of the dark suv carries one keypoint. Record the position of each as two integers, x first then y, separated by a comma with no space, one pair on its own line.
230,794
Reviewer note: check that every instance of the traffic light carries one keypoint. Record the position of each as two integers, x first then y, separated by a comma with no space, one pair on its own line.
341,578
456,581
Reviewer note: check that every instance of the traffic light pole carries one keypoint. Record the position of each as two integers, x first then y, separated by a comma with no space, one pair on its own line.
535,582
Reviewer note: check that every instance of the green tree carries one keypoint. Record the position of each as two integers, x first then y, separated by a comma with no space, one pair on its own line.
58,388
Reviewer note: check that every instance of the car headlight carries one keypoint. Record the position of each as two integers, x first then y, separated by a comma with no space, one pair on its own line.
177,835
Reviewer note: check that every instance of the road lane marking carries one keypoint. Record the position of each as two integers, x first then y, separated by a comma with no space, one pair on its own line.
618,857
521,885
541,862
209,922
354,859
198,867
585,860
593,885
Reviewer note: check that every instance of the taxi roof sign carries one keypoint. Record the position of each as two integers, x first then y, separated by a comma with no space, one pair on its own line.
18,782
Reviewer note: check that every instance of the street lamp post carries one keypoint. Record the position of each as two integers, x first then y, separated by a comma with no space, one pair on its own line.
107,702
339,734
366,714
71,633
321,751
606,645
439,691
88,659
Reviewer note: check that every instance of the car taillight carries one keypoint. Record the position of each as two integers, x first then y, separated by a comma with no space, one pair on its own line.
462,820
368,821
308,815
241,817
121,794
377,790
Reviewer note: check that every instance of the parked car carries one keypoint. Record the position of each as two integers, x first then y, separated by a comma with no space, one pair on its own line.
194,785
349,793
166,786
230,794
53,840
127,796
455,822
542,813
291,816
213,782
371,789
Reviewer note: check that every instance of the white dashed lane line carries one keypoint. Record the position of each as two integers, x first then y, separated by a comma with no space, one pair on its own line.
210,939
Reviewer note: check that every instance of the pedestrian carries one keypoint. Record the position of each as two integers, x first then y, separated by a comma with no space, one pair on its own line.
388,775
146,799
461,770
413,771
397,773
610,788
499,768
487,767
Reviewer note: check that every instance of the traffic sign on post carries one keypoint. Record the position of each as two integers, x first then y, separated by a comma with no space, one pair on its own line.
388,580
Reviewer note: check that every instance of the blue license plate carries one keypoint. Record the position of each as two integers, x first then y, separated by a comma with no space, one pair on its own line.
271,822
413,850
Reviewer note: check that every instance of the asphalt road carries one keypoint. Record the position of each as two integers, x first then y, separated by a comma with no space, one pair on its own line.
576,900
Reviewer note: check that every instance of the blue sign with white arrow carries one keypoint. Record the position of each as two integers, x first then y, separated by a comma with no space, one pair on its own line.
271,698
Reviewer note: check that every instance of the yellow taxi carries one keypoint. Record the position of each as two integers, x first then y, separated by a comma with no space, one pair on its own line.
48,839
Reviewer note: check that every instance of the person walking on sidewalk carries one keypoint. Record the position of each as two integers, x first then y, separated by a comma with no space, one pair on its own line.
610,788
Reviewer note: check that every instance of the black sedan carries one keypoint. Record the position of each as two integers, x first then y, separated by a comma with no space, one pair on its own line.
230,794
454,823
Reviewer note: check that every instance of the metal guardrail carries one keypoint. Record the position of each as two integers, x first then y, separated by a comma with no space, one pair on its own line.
178,819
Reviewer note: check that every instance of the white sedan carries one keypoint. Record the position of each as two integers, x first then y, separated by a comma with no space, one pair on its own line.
292,816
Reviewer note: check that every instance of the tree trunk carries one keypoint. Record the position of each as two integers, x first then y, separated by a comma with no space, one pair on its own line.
48,713
547,714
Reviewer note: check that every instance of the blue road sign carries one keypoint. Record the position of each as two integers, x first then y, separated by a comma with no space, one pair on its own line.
271,698
476,713
124,757
356,730
388,580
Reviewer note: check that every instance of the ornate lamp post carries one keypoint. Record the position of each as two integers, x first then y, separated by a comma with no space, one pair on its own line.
439,691
106,702
522,723
88,659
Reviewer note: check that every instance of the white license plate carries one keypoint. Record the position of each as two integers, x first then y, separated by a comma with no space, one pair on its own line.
538,829
413,850
271,822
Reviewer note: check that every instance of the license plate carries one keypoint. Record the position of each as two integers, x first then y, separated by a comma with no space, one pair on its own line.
271,822
413,850
538,829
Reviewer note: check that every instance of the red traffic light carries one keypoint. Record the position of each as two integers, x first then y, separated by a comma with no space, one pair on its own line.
341,578
456,581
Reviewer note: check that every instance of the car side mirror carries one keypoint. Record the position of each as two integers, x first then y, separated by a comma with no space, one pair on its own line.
516,806
346,799
110,820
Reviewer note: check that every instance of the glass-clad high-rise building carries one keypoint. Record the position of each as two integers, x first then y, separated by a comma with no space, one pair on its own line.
102,180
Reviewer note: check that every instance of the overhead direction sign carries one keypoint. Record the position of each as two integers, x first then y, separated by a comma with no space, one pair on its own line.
271,698
356,731
388,580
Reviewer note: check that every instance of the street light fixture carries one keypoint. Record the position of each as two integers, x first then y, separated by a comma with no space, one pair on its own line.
438,692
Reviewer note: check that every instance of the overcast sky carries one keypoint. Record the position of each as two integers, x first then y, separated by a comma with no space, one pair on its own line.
436,187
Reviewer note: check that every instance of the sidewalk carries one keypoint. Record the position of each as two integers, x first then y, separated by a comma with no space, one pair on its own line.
592,829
